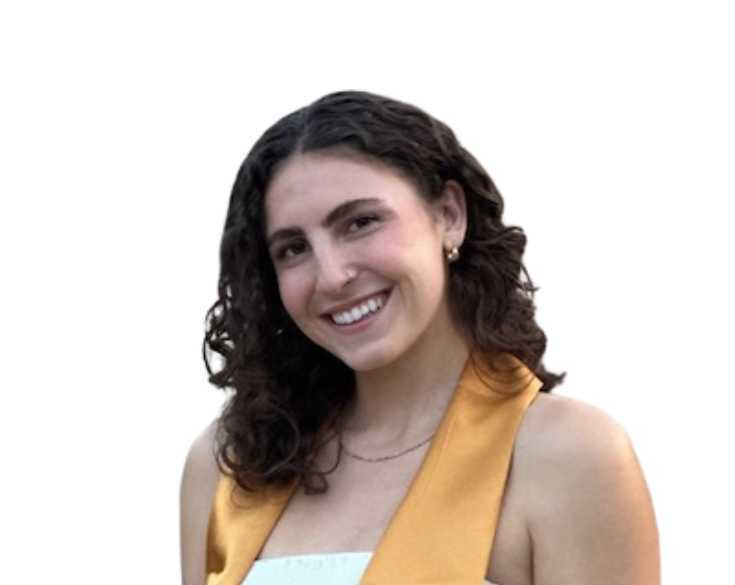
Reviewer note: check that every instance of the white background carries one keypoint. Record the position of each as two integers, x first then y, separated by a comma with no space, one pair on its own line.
608,127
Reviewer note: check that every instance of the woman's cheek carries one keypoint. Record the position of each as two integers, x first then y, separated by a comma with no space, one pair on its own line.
386,242
293,289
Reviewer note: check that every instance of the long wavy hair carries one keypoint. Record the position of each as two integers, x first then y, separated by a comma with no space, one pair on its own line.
286,389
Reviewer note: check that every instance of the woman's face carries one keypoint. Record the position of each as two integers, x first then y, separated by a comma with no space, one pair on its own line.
358,255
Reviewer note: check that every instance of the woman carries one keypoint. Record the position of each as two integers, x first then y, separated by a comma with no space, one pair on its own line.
391,419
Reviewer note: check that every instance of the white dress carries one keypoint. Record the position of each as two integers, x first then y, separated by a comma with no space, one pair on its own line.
313,569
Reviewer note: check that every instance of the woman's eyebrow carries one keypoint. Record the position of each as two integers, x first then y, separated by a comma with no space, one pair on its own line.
333,217
345,209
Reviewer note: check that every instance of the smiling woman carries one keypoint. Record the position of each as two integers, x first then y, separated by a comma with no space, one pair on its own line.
391,419
344,252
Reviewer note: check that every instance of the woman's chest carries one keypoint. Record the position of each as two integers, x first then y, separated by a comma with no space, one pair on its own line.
360,504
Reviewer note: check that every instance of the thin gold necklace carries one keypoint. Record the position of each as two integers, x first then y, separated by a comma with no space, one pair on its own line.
378,459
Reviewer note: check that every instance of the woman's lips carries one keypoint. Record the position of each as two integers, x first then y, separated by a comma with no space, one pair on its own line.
365,320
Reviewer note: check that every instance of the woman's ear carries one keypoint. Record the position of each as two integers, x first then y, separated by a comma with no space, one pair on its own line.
452,212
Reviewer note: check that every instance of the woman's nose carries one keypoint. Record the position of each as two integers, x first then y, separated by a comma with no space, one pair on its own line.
334,272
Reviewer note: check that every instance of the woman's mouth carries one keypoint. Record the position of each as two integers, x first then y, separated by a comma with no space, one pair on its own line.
361,312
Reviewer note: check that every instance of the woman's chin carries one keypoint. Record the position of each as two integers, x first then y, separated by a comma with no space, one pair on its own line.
367,360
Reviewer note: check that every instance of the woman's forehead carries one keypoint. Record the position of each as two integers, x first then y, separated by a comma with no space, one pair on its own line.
317,183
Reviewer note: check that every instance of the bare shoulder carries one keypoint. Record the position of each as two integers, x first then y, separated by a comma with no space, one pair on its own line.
554,425
589,511
565,441
198,485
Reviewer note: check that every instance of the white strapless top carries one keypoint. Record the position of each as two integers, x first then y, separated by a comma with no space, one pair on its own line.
314,569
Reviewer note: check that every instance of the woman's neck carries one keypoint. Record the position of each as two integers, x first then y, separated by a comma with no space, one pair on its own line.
405,401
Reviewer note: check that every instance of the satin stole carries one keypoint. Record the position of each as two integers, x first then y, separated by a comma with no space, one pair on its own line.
442,532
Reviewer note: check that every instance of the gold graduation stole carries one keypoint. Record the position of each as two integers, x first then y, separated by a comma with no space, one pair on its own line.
443,530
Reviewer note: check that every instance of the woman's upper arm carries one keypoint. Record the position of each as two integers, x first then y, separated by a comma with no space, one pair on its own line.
592,518
198,485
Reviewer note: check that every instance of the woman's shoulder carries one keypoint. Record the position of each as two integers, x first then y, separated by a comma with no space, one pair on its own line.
561,427
562,439
581,479
201,460
198,485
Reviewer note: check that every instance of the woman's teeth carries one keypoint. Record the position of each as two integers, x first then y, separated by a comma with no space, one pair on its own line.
359,312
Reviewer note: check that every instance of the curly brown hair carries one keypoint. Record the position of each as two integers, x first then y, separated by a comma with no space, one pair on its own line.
286,389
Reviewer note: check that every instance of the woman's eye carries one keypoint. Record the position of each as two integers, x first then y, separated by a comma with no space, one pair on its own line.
361,221
290,250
